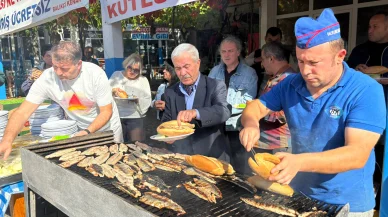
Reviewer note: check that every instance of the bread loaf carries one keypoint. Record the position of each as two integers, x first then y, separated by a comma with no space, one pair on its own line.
228,168
206,164
263,164
275,187
171,128
122,94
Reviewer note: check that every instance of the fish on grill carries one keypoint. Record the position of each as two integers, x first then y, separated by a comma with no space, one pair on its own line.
96,170
86,162
114,149
261,204
155,156
124,178
102,158
191,171
72,161
211,187
114,158
239,182
161,152
167,166
102,150
192,188
91,150
129,159
176,162
124,168
69,156
123,148
161,202
60,153
145,165
313,214
133,148
154,183
143,146
180,156
139,154
108,171
131,190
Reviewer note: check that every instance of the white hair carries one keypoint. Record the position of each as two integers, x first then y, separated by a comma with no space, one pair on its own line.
186,48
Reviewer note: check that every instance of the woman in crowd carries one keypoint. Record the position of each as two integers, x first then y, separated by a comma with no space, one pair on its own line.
133,109
170,78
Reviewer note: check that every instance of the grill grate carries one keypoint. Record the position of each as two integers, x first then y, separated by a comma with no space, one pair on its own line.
229,205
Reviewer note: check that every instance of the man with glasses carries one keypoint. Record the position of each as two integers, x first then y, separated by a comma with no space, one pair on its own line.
80,88
199,100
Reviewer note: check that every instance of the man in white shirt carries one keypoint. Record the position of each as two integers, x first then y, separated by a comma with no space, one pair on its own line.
80,88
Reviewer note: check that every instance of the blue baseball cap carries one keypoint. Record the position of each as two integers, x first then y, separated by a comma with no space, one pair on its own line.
310,32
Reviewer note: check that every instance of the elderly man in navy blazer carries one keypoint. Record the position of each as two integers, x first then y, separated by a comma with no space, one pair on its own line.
199,100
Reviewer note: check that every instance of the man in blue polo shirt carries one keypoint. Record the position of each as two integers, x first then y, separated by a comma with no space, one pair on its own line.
335,116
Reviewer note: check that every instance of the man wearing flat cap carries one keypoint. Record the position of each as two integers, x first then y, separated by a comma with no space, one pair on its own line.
335,116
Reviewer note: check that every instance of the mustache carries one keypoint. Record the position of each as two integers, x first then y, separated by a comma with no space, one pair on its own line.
186,76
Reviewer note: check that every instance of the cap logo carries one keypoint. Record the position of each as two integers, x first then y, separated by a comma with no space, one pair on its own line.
336,31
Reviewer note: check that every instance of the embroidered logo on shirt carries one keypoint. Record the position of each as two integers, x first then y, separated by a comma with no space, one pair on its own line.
335,112
75,104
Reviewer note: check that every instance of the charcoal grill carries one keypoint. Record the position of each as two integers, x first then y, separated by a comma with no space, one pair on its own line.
76,192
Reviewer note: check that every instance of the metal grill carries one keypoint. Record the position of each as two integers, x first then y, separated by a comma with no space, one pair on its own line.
229,205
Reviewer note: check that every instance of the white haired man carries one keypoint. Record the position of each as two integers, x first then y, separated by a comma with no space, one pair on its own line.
199,100
80,88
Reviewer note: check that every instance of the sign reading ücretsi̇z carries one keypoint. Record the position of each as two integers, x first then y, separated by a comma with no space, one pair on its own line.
16,15
116,10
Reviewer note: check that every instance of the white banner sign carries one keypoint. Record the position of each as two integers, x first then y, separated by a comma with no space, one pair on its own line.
16,15
116,10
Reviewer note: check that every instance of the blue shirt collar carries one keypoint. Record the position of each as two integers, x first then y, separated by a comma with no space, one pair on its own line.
194,86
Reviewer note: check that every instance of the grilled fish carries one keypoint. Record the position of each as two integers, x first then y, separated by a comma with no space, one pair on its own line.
123,148
175,168
212,188
176,162
155,156
114,158
129,159
72,161
114,149
168,169
145,165
69,156
313,214
278,209
102,158
139,154
86,162
124,168
180,156
60,153
161,202
91,151
143,146
95,169
102,150
123,178
194,172
131,190
161,152
154,183
134,148
196,191
108,171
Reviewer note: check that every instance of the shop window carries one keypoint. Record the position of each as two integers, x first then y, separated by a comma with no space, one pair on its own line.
6,48
319,4
288,7
287,26
344,21
364,14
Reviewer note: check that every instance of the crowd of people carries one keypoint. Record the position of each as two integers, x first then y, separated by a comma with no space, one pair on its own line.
322,122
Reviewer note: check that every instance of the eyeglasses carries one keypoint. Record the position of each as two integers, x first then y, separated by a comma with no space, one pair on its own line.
136,71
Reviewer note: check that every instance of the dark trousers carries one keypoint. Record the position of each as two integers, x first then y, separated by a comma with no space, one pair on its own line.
133,130
237,153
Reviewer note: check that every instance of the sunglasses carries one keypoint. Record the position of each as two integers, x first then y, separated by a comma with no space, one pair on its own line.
136,71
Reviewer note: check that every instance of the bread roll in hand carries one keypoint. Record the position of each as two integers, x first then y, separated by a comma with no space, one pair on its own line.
263,164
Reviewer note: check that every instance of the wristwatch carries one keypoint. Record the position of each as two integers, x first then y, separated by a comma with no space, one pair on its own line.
86,130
